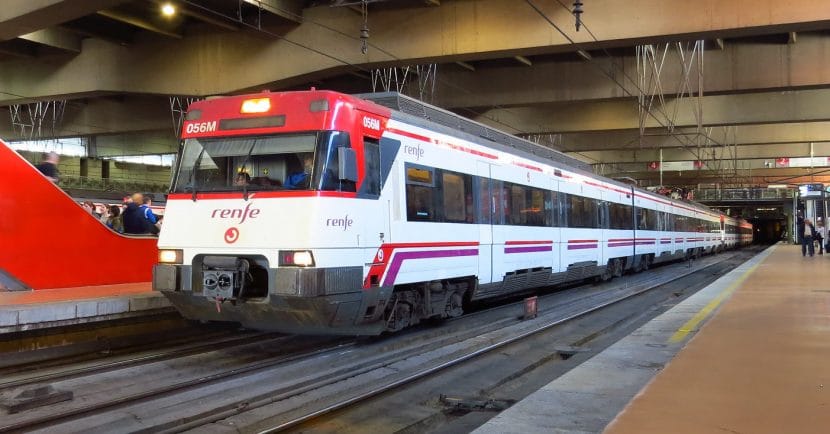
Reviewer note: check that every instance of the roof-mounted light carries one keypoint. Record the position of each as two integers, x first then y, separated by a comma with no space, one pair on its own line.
319,105
257,105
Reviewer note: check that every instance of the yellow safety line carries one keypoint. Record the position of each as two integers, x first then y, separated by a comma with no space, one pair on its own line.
690,325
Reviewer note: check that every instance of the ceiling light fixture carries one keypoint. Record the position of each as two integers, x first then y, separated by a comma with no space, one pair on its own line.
168,10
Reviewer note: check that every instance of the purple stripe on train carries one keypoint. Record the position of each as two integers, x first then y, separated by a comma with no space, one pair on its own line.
581,246
528,249
398,259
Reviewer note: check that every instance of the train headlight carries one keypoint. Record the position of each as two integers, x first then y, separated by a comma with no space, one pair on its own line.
298,258
170,256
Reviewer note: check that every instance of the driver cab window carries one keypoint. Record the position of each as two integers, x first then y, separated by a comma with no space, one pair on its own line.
282,162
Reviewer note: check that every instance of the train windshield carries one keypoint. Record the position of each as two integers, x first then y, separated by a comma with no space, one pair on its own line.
284,162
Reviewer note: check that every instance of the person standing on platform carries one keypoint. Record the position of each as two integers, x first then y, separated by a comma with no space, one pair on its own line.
114,219
799,227
135,221
49,166
152,219
807,238
821,235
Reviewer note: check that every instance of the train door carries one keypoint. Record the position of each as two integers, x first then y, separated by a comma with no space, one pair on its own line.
376,212
485,209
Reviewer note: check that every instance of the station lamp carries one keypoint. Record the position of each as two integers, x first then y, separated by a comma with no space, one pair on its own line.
168,10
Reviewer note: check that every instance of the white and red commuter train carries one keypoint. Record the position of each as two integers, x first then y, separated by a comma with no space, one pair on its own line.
323,213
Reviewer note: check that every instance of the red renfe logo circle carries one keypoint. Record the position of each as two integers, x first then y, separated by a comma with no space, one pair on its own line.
231,235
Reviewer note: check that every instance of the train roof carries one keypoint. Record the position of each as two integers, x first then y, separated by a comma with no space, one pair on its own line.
493,138
422,114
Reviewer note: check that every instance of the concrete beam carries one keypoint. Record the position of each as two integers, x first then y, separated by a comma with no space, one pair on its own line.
20,17
139,22
55,37
291,10
783,133
137,143
748,152
737,68
466,66
523,60
452,32
623,114
105,116
17,48
744,175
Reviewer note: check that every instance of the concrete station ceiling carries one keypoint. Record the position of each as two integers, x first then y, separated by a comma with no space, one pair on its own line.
734,86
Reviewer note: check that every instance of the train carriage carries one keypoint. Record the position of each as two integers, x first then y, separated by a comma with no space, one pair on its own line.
319,212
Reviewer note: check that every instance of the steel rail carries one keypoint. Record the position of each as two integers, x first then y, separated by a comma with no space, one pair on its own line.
180,350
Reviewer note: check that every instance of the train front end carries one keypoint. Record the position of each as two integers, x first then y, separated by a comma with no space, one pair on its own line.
267,222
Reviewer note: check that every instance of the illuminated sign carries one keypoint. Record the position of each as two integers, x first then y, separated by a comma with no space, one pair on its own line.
811,190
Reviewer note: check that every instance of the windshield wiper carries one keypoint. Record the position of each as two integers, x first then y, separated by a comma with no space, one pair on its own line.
244,164
193,173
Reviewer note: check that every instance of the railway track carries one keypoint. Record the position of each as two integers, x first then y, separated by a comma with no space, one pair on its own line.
498,340
266,392
134,359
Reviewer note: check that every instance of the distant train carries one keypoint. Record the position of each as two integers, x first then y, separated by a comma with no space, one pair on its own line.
322,213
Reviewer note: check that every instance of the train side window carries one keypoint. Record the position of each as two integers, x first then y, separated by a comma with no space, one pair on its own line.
646,219
457,197
420,187
641,219
620,216
564,210
501,210
518,204
582,212
680,223
602,207
371,157
537,213
653,223
484,200
552,209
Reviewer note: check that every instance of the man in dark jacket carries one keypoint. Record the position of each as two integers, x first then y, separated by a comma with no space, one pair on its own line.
49,166
807,238
134,220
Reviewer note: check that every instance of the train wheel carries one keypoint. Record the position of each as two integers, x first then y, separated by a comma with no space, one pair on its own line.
400,318
646,262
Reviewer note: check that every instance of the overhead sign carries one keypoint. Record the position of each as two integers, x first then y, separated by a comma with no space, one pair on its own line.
675,165
811,190
802,162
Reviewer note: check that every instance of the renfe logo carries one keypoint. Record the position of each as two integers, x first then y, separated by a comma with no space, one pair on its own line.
344,223
414,150
371,123
235,213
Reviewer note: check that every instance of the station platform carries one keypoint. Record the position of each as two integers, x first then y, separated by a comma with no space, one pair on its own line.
33,310
761,364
